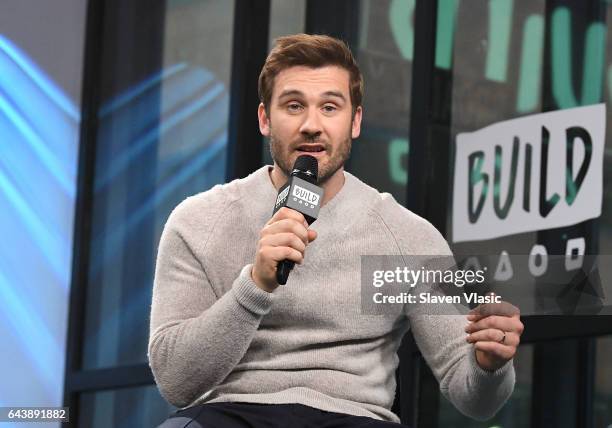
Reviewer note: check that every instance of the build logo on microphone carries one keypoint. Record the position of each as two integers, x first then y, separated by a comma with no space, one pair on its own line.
305,196
281,197
301,196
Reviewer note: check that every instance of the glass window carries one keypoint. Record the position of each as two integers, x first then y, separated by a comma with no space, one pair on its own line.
286,17
492,54
130,407
500,66
517,410
605,78
41,57
379,157
162,137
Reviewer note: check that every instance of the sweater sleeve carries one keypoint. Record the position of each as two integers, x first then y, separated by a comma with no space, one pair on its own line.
197,338
475,392
440,336
439,332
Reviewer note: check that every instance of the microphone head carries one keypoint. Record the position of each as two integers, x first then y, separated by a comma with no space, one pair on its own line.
307,165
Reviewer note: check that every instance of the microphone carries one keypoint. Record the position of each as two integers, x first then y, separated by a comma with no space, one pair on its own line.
303,195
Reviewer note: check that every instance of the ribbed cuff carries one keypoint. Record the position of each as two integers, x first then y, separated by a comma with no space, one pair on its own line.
480,375
249,295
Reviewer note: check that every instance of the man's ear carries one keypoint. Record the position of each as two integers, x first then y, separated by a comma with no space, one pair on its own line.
264,120
356,125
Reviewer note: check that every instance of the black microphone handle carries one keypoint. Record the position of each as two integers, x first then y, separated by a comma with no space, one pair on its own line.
282,271
284,267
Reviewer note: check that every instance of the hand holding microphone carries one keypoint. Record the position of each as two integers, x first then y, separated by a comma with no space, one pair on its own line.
285,236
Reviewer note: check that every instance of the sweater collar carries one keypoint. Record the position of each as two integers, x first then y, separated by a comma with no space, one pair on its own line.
337,211
264,179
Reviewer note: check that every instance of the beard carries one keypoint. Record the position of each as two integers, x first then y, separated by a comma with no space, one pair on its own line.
335,157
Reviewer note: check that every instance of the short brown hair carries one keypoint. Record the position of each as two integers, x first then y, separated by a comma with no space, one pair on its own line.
310,50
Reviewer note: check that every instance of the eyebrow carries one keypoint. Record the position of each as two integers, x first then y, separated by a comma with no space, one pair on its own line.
295,92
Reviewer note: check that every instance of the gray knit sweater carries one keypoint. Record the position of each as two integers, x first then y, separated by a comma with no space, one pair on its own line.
215,336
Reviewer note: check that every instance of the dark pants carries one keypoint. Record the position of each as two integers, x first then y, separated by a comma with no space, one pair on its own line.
248,415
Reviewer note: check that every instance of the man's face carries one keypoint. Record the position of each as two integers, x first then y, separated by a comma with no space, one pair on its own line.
310,113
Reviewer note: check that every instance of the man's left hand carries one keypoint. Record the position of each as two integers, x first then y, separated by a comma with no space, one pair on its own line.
495,330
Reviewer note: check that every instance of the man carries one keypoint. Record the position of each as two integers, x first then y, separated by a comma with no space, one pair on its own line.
233,349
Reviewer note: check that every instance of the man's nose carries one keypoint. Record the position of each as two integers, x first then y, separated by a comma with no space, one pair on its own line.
312,124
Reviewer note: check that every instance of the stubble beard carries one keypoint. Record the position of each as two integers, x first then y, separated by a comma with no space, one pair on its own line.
279,151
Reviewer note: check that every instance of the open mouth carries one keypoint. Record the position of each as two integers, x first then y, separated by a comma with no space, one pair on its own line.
311,148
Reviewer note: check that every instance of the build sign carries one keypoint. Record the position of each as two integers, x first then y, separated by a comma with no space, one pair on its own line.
533,173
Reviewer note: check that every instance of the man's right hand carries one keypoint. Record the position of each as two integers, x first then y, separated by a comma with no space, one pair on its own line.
284,236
